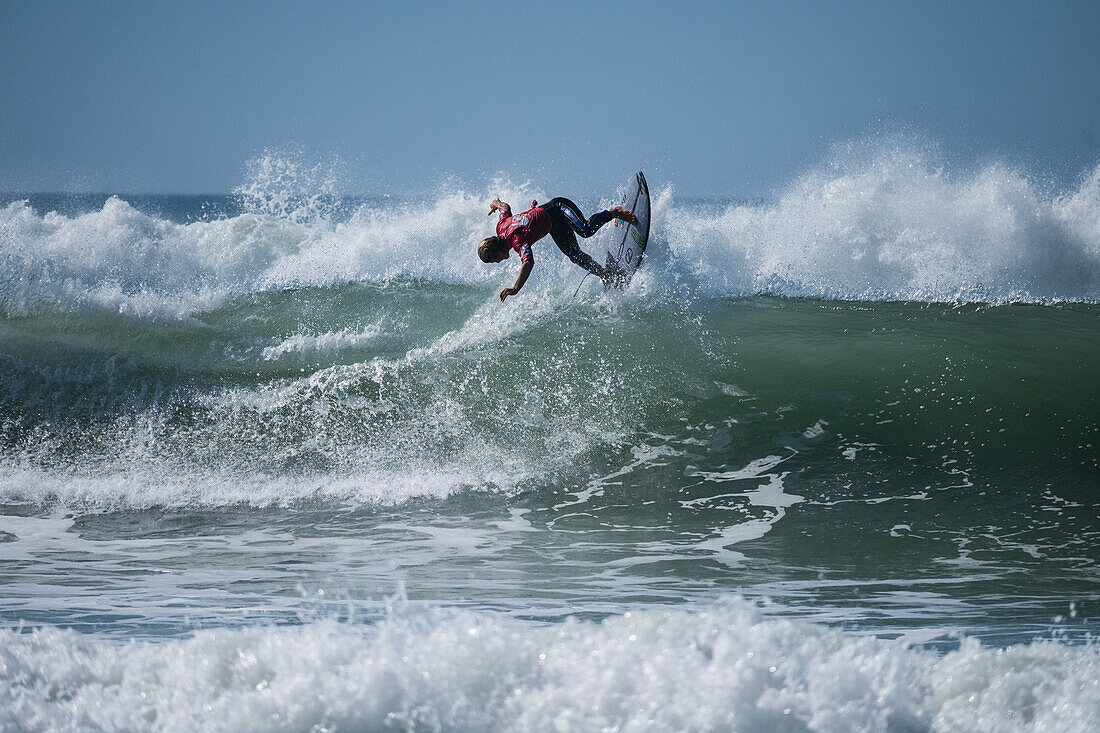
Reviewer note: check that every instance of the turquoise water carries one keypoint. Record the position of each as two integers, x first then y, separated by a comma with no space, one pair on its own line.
830,464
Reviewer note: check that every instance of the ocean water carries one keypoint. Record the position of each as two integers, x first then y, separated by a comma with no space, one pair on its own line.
282,461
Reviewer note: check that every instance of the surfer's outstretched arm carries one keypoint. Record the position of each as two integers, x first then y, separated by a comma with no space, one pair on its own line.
524,273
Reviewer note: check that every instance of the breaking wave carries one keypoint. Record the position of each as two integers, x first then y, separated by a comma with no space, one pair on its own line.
876,222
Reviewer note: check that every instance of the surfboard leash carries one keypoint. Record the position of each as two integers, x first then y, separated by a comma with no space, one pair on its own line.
581,283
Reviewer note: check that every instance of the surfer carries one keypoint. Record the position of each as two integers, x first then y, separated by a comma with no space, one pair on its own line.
561,219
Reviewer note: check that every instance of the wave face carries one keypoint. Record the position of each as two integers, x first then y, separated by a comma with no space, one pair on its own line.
868,407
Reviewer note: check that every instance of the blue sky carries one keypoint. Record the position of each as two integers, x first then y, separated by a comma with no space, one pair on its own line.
721,98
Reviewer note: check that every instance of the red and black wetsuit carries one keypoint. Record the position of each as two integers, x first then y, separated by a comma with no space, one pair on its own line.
561,219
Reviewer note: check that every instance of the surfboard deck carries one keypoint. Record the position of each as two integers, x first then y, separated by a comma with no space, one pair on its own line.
627,242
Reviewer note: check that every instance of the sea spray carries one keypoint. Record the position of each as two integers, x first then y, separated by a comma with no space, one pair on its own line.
890,224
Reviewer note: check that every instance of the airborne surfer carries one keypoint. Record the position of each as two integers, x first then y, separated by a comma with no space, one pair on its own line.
561,219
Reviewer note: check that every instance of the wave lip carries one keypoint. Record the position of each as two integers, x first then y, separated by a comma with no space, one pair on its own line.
723,667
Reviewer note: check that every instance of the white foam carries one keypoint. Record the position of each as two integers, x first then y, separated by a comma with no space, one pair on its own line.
150,481
121,260
722,667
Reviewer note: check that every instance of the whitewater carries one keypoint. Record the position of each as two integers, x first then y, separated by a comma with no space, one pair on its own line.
281,460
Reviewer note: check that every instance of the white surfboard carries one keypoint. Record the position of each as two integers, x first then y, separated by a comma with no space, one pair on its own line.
627,242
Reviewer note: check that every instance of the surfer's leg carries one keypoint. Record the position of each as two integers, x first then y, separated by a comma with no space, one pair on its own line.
567,243
565,219
566,210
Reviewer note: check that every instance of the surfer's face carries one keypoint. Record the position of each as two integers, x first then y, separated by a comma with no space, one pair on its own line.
502,256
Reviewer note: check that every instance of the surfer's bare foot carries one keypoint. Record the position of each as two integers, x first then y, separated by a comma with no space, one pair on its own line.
624,215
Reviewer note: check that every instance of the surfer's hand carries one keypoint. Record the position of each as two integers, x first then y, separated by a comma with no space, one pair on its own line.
506,292
497,204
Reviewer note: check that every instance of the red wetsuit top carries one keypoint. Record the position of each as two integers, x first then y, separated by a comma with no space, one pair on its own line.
523,230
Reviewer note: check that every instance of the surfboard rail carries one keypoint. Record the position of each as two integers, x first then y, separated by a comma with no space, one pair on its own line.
626,244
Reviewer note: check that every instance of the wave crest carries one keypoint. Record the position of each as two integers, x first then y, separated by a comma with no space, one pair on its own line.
880,221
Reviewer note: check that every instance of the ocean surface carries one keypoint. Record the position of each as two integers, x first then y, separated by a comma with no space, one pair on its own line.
281,460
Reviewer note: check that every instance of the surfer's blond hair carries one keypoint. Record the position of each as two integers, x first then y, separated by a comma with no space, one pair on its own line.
491,247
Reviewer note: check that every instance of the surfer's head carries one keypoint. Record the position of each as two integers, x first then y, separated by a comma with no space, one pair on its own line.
493,249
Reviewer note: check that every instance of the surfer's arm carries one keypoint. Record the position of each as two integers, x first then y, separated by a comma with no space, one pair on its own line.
524,273
500,206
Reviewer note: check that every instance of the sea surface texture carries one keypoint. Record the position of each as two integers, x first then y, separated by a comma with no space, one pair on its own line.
281,460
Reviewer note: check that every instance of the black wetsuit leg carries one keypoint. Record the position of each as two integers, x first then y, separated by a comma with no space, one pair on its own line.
566,220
